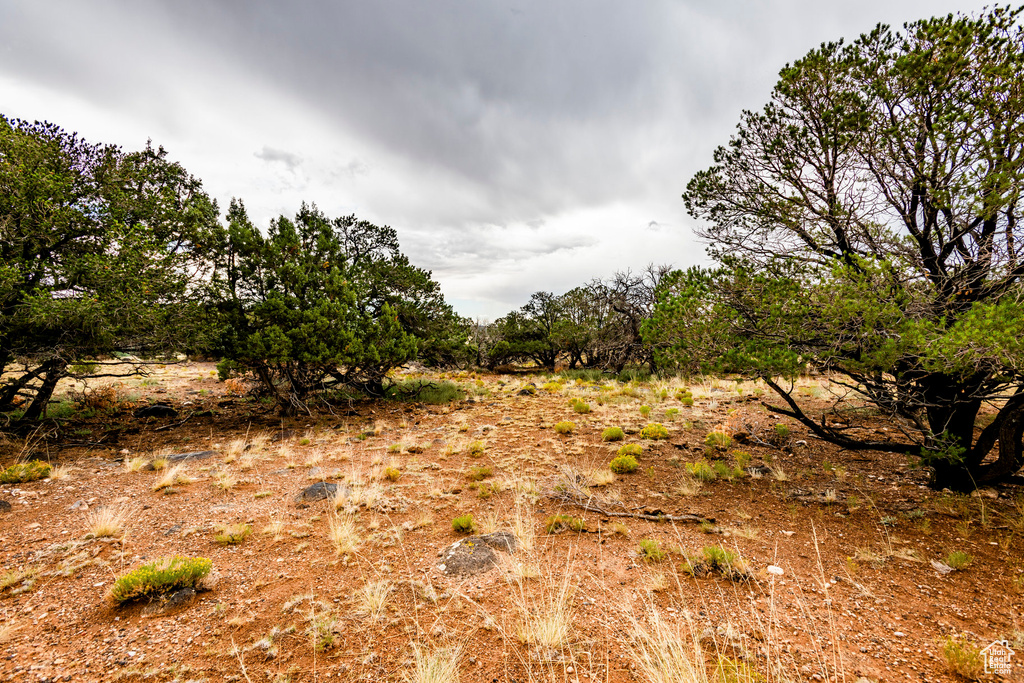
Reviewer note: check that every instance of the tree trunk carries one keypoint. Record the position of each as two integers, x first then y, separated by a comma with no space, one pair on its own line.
54,370
1011,450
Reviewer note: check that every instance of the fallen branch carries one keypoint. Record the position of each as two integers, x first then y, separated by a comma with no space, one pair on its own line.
571,488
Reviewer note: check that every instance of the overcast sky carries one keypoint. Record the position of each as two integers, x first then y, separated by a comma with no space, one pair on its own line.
515,146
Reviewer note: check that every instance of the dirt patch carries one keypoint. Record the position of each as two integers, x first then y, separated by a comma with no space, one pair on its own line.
838,546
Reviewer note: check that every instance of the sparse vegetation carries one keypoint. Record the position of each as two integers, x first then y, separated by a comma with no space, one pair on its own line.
162,576
654,430
557,523
22,472
650,551
613,434
464,524
623,464
564,427
232,534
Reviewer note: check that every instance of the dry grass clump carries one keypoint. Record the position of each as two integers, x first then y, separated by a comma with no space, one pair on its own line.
440,665
274,529
343,533
136,464
545,620
232,534
173,476
372,598
106,522
601,477
60,473
225,481
664,654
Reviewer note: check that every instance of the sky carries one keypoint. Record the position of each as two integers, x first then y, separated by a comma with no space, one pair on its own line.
515,146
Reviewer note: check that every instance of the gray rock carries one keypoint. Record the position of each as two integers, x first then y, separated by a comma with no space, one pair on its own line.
5,506
156,410
321,490
175,600
192,455
475,555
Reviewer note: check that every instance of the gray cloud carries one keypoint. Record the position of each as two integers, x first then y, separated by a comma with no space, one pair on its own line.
514,146
270,154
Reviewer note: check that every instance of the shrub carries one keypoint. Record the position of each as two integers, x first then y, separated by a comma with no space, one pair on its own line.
726,472
479,473
742,458
671,413
556,523
464,524
701,471
613,434
963,658
581,407
717,440
422,391
654,431
633,449
232,534
226,369
781,431
959,560
392,473
718,558
476,448
650,551
645,411
162,576
25,471
551,387
565,427
623,464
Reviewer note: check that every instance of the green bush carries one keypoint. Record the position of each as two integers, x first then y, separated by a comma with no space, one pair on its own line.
479,473
556,523
226,369
565,427
581,407
165,575
25,471
623,464
963,658
633,449
233,534
718,558
645,411
613,434
650,551
654,431
421,391
717,440
959,560
464,524
701,471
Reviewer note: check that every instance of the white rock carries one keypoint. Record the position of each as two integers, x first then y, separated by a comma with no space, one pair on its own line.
777,571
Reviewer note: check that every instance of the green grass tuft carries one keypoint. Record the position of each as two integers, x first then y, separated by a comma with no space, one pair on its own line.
162,576
623,464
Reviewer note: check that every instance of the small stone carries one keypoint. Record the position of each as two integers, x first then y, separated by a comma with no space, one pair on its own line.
777,571
79,505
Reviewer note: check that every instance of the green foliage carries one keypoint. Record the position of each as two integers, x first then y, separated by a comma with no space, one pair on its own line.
165,575
650,551
701,471
556,523
718,558
226,369
422,391
564,427
476,448
623,464
959,560
580,406
827,257
963,658
464,524
631,449
392,473
742,459
613,434
316,303
645,411
654,431
100,248
25,471
717,440
479,473
233,534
